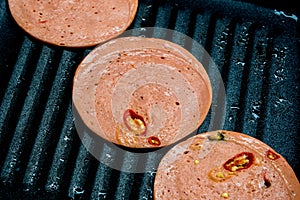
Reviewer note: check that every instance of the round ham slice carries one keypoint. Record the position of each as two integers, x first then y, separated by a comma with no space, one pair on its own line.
141,92
73,23
224,165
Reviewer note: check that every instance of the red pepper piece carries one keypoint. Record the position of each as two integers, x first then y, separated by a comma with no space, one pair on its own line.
134,122
272,155
154,141
240,161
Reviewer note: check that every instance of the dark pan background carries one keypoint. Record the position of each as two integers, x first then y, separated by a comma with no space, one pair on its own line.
255,46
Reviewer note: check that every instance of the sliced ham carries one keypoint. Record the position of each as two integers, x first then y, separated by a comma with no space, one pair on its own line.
224,165
141,92
73,23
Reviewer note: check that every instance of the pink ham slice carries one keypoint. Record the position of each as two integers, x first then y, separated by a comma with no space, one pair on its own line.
206,166
73,23
158,80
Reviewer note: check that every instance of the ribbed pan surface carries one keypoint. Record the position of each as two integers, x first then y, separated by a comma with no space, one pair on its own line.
256,50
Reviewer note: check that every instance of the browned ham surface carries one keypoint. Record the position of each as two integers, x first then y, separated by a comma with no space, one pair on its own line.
224,165
73,23
141,92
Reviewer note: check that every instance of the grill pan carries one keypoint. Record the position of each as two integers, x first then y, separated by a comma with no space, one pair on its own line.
255,45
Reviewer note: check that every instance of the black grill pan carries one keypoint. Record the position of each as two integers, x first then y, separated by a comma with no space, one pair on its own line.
255,45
